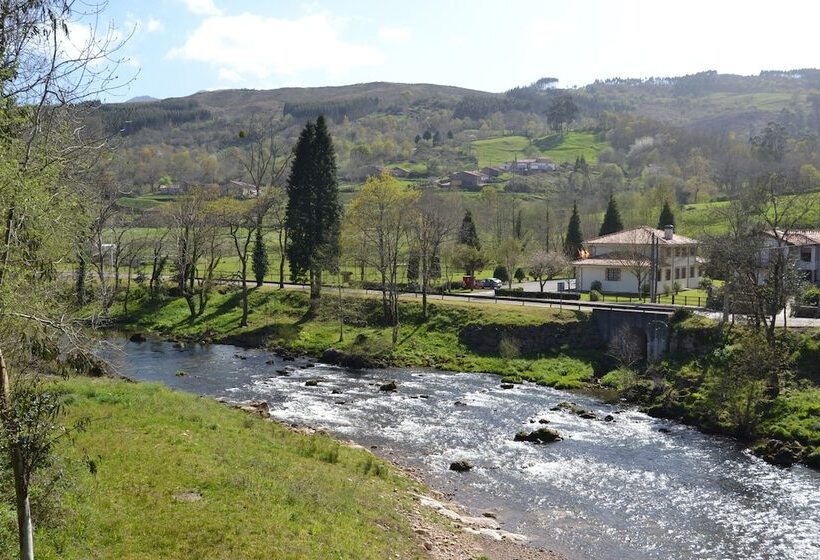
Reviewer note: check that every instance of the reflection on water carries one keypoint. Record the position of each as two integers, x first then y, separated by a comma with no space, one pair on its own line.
619,489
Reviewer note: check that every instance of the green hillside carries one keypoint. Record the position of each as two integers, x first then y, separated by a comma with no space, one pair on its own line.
495,151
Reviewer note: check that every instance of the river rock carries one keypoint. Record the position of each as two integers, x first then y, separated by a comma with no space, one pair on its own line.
507,385
137,337
181,373
390,387
541,435
573,408
179,345
283,371
459,403
461,466
256,407
312,382
543,421
609,418
780,453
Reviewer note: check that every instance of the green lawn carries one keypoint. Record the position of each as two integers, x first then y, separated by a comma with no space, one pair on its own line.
181,477
495,151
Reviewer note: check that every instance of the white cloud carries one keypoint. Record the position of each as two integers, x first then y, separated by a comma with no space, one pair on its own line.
202,7
154,25
394,34
253,47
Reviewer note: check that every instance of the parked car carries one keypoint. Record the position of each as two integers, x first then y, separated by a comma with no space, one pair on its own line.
494,283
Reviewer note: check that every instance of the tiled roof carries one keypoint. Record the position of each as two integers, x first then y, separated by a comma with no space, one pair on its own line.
641,236
614,260
802,237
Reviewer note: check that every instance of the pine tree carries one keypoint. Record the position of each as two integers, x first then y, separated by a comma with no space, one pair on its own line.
468,235
667,218
612,219
259,265
313,213
575,239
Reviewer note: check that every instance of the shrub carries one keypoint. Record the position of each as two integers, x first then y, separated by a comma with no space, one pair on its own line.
705,283
595,295
597,286
508,347
501,273
519,275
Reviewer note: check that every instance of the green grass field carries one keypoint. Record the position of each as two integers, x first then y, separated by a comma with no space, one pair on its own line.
181,477
495,151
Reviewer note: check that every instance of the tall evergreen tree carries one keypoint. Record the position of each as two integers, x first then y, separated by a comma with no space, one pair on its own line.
313,212
612,219
575,239
468,235
667,218
260,258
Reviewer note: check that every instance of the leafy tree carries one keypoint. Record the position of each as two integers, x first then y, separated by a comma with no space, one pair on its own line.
575,239
561,112
382,211
667,218
412,272
417,139
612,219
449,134
509,253
313,212
501,273
43,149
427,134
519,275
468,235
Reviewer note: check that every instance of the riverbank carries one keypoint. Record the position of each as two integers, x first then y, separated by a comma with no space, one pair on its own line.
156,473
557,348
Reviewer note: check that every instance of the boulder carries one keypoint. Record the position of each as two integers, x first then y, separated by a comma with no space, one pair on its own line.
461,466
573,408
137,337
541,435
780,453
283,371
181,373
390,387
256,407
507,385
312,382
609,418
459,403
543,421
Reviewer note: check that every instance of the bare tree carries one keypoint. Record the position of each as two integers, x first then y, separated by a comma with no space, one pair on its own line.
546,265
434,222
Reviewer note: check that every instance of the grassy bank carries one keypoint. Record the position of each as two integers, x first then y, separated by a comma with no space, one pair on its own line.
458,337
181,477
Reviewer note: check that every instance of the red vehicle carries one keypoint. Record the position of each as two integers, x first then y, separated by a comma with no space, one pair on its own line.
471,283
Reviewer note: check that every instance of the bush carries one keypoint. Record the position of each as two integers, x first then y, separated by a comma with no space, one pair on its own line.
810,296
509,347
501,273
519,292
705,283
680,315
595,295
596,285
519,275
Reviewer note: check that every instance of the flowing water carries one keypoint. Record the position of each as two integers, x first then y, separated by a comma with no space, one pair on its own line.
635,488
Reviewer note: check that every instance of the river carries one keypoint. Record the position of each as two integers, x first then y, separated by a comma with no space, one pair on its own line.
634,488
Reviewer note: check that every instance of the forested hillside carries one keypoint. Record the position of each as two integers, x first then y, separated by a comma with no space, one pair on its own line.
687,140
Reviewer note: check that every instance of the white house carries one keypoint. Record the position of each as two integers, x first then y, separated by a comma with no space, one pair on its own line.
803,246
622,261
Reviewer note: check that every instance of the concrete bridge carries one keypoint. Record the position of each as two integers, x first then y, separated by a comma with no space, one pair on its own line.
634,333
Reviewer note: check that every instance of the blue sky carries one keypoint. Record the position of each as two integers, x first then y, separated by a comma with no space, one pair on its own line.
178,47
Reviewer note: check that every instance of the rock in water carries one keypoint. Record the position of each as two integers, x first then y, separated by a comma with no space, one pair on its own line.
460,466
137,337
541,435
390,386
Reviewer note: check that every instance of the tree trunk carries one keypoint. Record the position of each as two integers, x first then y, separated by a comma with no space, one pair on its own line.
424,281
25,533
244,321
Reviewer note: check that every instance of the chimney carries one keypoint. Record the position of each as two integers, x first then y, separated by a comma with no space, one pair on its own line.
668,231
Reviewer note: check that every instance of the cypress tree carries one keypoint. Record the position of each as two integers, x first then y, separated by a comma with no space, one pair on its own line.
667,218
313,213
468,235
259,265
612,219
575,239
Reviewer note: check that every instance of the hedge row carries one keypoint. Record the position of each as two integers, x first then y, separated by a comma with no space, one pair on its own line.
539,295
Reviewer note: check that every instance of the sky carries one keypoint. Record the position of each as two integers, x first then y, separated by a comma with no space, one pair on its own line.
173,48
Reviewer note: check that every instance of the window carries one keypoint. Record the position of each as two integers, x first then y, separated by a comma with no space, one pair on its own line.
693,251
658,276
677,251
668,273
805,254
677,273
683,272
613,274
691,271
